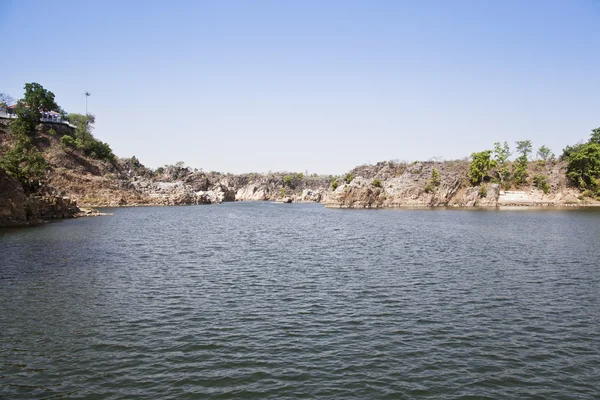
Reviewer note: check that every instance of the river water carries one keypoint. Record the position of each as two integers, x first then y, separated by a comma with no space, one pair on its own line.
277,301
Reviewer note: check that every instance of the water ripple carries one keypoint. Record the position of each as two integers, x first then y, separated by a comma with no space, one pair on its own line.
268,301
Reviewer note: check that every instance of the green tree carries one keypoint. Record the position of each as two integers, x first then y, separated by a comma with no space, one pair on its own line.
481,163
100,150
595,136
24,162
544,153
84,124
520,174
583,167
377,183
287,180
69,142
349,177
567,151
29,109
524,147
501,155
35,101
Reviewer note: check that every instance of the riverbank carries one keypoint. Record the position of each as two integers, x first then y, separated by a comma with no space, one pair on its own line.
73,179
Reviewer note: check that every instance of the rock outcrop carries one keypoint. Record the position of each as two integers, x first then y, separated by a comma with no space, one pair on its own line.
389,185
17,208
14,205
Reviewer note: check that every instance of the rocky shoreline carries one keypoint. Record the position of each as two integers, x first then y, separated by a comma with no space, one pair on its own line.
74,181
78,195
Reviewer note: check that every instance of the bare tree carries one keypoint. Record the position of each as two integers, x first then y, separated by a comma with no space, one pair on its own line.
6,100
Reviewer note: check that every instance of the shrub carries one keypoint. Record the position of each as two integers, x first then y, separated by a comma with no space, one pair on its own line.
67,141
334,185
541,182
435,177
97,149
433,182
483,190
349,178
377,183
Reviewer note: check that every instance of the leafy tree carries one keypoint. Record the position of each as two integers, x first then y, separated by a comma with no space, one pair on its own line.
39,99
35,101
69,142
583,167
520,174
595,136
98,149
480,166
349,178
501,152
84,124
545,153
524,147
24,162
567,151
501,155
287,180
377,183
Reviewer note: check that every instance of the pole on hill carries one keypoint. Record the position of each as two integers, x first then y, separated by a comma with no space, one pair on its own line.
87,94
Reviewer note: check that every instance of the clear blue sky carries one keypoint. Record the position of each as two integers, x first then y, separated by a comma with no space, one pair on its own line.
322,86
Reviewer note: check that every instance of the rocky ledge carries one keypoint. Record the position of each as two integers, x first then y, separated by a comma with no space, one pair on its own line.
18,209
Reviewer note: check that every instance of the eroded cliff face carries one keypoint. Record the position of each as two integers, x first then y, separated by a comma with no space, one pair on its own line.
18,208
13,202
136,186
411,185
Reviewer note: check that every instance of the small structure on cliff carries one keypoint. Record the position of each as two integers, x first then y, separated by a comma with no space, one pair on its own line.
9,112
